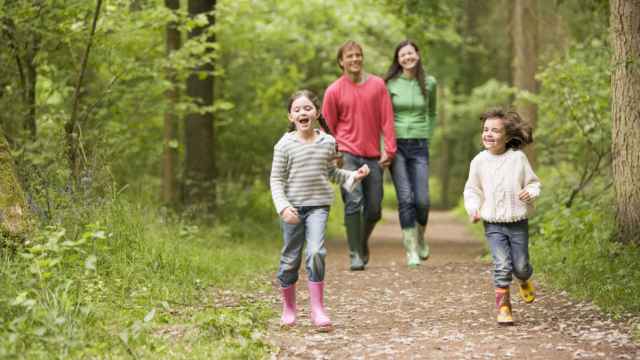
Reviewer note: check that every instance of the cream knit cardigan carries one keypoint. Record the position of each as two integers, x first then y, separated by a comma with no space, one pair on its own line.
494,183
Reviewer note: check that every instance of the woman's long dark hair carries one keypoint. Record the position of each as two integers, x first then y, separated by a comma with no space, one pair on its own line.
395,69
316,102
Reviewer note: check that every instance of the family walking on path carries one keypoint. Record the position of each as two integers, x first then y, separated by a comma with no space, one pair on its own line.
371,124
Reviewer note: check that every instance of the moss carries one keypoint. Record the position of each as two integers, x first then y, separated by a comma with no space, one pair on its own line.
15,220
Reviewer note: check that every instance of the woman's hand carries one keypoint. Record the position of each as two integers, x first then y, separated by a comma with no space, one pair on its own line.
362,172
475,217
290,216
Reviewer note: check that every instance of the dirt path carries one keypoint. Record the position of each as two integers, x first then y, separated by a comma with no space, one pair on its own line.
442,310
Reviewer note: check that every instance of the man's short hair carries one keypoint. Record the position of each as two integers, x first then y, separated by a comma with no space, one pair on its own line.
346,46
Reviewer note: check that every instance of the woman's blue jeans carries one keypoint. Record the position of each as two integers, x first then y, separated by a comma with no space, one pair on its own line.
312,225
509,243
410,173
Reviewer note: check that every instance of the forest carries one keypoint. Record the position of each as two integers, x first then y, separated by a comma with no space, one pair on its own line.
137,140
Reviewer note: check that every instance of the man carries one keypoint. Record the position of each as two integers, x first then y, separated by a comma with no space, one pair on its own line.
358,111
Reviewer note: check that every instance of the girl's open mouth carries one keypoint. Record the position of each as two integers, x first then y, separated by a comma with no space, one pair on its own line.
303,121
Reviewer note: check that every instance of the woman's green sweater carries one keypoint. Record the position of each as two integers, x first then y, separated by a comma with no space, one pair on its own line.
415,116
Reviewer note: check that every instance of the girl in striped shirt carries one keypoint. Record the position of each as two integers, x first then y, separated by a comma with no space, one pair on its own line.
303,165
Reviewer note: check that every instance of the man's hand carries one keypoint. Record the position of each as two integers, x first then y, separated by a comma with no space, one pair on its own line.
475,217
290,216
385,160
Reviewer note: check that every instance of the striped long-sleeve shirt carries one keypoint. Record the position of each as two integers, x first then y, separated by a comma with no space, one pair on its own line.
300,172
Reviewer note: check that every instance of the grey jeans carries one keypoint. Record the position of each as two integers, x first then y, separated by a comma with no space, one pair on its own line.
311,228
367,196
509,243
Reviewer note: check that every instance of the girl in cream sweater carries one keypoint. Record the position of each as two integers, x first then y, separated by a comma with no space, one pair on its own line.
500,191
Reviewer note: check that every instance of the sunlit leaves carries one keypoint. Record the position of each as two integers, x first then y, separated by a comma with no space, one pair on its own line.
574,127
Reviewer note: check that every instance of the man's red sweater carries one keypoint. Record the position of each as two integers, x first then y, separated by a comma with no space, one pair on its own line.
358,114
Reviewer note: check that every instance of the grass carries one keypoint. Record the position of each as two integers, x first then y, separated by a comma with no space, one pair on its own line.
136,284
573,247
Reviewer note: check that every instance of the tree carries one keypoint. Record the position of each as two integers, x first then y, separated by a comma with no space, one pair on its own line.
24,46
199,153
170,155
525,54
72,127
625,86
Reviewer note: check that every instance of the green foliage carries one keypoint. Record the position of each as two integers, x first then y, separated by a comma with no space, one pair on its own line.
108,288
462,130
572,235
263,62
574,129
110,275
573,247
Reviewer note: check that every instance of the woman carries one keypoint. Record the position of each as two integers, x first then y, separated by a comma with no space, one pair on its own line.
413,95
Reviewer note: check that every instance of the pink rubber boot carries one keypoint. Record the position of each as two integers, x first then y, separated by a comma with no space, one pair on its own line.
288,305
318,315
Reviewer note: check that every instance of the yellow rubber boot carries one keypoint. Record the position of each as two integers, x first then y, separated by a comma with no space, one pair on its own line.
503,305
527,291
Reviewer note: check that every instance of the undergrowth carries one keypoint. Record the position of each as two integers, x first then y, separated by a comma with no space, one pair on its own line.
133,282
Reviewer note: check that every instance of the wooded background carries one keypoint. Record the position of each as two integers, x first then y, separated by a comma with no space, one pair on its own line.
175,106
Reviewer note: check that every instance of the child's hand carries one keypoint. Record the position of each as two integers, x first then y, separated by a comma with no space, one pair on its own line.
362,172
290,216
338,162
475,217
524,195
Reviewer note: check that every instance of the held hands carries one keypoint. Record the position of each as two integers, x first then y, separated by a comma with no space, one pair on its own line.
290,216
524,196
385,160
475,217
362,172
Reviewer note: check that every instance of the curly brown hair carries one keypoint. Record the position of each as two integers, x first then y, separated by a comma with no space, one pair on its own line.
519,132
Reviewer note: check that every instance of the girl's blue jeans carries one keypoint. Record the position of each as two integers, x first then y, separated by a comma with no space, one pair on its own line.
410,173
312,225
509,243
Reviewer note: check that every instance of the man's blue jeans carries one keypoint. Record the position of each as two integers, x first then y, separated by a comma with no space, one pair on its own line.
312,226
367,196
509,244
410,173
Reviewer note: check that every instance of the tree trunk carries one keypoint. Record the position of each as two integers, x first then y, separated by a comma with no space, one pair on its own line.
525,56
30,88
72,127
444,156
14,214
625,86
170,156
199,151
